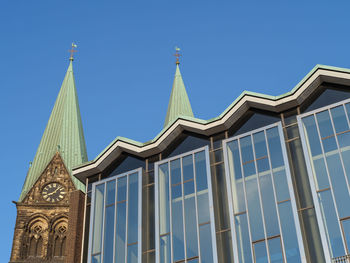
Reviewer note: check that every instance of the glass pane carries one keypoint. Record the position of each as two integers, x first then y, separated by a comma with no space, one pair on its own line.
281,185
175,172
255,217
321,173
96,259
260,252
340,188
201,171
187,166
331,224
98,218
290,240
165,254
312,135
324,124
132,254
275,250
121,191
269,205
242,237
205,243
191,227
339,119
189,188
110,199
120,233
164,210
177,227
109,234
236,176
261,152
203,207
133,208
275,149
346,231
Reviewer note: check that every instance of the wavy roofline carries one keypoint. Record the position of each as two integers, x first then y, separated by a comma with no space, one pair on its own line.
308,85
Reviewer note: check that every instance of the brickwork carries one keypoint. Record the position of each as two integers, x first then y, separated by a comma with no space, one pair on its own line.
75,227
41,226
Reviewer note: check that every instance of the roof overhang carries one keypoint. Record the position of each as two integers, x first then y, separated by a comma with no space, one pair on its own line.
229,117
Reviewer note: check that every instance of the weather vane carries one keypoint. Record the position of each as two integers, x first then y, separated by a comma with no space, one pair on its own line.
177,55
71,51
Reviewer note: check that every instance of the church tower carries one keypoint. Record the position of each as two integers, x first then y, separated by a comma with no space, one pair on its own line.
43,208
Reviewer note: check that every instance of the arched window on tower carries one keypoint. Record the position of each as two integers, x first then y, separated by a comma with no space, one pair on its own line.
36,240
60,239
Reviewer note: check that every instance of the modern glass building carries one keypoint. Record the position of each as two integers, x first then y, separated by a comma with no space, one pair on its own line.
266,181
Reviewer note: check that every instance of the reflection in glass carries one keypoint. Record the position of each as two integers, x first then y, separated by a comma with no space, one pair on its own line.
179,238
109,234
259,181
120,240
260,253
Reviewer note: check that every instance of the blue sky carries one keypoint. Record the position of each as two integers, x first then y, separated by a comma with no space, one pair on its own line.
125,66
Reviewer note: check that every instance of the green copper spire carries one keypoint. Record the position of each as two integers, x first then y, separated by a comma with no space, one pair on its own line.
63,133
179,104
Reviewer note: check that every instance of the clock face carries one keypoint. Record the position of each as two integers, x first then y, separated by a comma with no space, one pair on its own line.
53,192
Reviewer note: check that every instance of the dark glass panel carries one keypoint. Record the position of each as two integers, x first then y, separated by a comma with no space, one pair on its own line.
217,140
148,228
149,257
254,119
127,163
224,245
185,143
292,132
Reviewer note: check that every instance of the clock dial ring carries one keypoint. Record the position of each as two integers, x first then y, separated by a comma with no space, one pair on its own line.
53,192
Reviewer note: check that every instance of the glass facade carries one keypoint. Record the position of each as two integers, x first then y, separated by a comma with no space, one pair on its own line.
326,142
116,219
262,203
185,227
273,193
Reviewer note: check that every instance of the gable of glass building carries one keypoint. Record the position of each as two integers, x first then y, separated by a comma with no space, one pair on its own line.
266,181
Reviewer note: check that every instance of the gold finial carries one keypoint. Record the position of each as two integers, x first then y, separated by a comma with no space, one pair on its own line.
177,55
71,58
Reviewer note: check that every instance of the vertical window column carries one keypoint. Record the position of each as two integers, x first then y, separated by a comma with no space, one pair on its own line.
185,230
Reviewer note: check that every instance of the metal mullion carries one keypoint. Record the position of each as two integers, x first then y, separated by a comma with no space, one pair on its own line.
339,152
170,214
183,206
115,218
246,201
312,180
127,218
329,178
275,196
104,220
196,206
259,192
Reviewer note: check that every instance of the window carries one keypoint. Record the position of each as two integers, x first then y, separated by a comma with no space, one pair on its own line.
185,227
116,219
325,136
263,214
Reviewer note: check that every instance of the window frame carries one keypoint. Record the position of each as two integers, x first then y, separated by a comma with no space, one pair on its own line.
291,193
92,212
308,161
210,197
